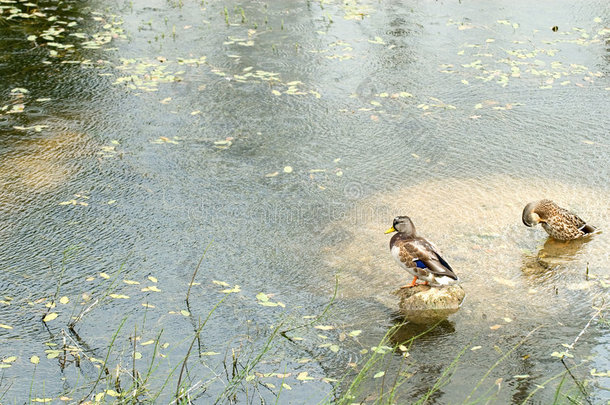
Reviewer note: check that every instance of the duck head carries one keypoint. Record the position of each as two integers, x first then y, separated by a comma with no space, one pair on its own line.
404,225
529,217
537,212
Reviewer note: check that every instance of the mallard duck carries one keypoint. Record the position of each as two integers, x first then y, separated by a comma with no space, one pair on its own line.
418,256
560,223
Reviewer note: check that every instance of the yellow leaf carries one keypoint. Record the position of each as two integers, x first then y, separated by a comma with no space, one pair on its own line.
104,275
10,359
148,342
153,279
131,282
184,312
119,296
49,317
303,376
64,300
34,359
3,326
324,327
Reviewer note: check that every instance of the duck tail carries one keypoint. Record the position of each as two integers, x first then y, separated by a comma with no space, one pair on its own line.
586,228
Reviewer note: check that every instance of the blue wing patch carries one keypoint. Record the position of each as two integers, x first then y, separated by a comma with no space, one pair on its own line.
420,264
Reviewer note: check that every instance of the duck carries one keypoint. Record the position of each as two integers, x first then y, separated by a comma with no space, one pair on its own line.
418,257
558,222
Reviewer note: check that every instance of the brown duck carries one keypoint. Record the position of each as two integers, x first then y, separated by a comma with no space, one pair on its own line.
558,222
418,256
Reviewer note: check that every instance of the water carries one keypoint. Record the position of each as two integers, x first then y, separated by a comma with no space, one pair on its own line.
179,130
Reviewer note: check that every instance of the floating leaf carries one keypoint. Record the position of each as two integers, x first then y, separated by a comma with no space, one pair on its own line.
287,169
354,333
521,376
34,359
262,297
221,283
379,374
104,275
51,354
303,376
495,327
148,342
184,312
235,289
209,353
268,304
596,373
3,326
561,355
119,296
131,282
49,317
334,348
64,300
473,348
153,279
10,359
324,327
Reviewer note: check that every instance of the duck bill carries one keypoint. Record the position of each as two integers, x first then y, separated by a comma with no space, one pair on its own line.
390,230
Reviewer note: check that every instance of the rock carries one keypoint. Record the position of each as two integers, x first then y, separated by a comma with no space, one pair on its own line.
423,303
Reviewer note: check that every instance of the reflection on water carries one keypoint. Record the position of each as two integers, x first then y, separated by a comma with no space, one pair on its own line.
40,165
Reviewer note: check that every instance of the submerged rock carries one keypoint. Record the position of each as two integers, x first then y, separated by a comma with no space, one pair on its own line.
423,303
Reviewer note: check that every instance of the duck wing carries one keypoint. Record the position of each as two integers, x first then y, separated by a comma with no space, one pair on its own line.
423,252
578,222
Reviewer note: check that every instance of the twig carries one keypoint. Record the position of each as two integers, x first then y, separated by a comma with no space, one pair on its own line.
188,293
188,353
582,332
500,360
103,367
317,318
82,313
603,307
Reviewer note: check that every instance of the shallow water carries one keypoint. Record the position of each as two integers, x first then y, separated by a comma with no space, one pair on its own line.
288,136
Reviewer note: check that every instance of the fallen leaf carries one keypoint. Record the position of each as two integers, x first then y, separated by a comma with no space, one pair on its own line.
49,317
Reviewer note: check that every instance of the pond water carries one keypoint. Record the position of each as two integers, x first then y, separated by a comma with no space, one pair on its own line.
281,139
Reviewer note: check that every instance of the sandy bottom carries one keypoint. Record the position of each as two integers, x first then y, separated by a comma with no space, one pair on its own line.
476,223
